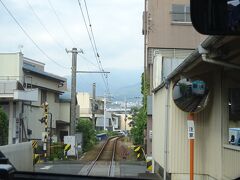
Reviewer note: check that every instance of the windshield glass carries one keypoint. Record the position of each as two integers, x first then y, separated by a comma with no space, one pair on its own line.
117,89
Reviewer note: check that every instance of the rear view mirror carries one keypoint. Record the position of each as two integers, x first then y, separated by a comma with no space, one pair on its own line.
216,17
190,96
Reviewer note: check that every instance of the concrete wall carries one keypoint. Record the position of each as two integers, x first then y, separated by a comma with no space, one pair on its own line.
122,119
83,100
20,155
11,65
64,111
34,112
163,33
49,84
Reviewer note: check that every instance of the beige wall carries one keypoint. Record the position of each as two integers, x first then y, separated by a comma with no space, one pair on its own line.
34,112
83,100
164,34
64,111
11,65
208,143
122,125
49,84
158,124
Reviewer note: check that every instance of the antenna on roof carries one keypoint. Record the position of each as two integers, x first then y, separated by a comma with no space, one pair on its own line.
20,47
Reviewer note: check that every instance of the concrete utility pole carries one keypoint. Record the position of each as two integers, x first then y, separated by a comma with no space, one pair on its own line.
93,103
125,119
74,52
104,115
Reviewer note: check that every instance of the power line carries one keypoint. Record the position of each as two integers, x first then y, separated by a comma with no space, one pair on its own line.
29,37
87,60
60,22
42,24
93,44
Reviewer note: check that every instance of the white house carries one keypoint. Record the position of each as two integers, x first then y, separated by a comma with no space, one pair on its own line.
24,86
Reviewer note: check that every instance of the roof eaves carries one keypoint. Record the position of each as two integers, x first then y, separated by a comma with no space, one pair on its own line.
46,74
208,42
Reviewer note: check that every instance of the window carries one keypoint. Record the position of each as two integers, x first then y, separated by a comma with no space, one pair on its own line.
181,13
234,116
43,96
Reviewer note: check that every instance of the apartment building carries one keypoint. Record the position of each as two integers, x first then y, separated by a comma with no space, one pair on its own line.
25,86
168,39
88,107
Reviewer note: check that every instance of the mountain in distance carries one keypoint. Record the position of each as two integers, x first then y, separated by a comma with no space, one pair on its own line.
122,84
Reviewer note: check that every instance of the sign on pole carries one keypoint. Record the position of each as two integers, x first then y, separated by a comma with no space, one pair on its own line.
191,129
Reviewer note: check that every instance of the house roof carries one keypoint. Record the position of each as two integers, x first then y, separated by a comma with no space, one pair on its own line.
34,70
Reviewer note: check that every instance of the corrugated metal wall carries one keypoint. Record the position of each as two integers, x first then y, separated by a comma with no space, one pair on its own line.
208,141
158,126
231,159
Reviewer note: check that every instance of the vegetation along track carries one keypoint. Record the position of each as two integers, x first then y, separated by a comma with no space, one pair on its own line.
104,164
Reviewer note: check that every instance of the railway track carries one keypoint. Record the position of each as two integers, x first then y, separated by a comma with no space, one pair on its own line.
104,164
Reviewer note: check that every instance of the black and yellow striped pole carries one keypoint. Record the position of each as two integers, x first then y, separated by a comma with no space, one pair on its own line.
66,149
45,118
36,156
137,150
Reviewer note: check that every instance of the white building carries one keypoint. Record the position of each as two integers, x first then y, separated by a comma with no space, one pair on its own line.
24,86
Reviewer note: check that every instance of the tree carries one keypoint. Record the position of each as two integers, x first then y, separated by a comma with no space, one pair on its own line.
140,116
140,122
85,126
3,128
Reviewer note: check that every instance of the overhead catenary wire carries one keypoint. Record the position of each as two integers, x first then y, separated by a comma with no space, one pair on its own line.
93,44
50,34
30,38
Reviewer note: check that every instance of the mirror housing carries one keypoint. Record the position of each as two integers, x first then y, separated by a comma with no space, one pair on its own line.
216,17
190,95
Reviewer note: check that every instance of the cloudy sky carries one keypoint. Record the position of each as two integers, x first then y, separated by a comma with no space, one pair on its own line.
55,25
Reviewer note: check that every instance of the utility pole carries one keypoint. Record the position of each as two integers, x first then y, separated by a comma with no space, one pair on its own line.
74,52
125,119
93,104
104,115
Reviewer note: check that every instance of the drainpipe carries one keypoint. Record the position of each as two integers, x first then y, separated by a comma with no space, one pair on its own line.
205,52
166,130
212,61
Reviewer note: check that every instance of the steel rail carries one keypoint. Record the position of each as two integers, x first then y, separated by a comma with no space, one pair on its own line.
99,154
110,169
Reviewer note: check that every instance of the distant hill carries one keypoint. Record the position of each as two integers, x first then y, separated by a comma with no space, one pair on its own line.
121,83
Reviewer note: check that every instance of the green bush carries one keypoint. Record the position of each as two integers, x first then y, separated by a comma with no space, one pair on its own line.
85,126
57,151
137,132
3,128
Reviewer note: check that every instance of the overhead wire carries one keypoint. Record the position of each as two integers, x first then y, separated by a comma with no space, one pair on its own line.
30,38
93,44
43,25
60,22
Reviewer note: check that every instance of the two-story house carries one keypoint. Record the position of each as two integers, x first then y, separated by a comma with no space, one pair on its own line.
25,86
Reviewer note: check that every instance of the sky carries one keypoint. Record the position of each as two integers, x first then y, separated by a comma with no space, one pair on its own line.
54,25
